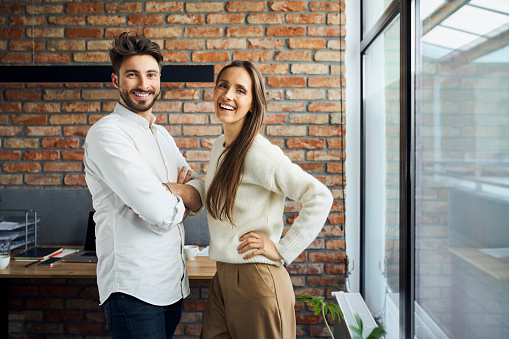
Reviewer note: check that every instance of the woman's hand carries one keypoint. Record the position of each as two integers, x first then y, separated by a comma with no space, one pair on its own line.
264,246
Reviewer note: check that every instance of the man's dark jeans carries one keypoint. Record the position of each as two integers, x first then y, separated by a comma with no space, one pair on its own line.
128,317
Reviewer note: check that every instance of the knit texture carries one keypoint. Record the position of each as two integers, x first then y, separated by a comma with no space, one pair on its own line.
268,178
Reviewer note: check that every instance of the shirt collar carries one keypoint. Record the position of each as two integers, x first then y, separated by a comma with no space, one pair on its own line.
132,116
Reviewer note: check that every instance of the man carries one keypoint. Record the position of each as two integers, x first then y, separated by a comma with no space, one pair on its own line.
142,188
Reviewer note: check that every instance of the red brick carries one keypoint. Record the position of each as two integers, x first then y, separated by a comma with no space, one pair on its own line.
81,107
327,6
20,143
249,31
197,155
90,57
252,56
86,8
167,107
174,44
286,107
68,119
26,45
308,319
95,317
41,155
327,257
10,155
75,180
206,7
63,316
327,82
226,44
275,119
305,143
113,32
72,155
66,45
129,7
182,94
66,20
332,56
287,6
41,107
335,168
10,179
11,9
145,20
337,219
15,58
286,31
336,143
164,6
265,43
334,269
201,130
83,32
210,57
310,69
306,43
22,95
245,6
331,180
175,56
305,268
265,19
84,329
282,81
193,330
61,94
185,19
308,19
11,33
9,130
44,328
335,244
189,119
100,94
106,20
53,58
336,19
232,19
21,167
286,130
187,143
203,32
45,32
327,131
325,107
308,94
194,305
198,107
44,9
75,130
62,167
60,143
292,56
27,21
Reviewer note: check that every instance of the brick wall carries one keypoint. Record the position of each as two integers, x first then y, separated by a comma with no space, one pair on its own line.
298,45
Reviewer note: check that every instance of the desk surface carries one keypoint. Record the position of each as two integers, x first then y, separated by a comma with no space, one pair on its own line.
200,268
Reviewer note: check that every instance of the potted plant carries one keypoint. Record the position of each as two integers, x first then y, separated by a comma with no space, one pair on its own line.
320,306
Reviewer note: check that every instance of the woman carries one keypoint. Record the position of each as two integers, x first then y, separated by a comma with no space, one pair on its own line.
251,295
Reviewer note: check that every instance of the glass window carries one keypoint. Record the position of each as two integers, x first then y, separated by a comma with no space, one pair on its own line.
381,177
462,171
372,10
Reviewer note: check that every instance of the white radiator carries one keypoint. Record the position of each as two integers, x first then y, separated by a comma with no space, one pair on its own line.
351,304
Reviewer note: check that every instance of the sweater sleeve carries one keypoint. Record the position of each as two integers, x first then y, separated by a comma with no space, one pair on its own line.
316,199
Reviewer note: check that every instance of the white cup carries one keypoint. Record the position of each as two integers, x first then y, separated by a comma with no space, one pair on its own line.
191,251
5,252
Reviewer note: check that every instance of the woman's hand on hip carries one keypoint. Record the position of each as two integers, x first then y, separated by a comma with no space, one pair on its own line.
262,245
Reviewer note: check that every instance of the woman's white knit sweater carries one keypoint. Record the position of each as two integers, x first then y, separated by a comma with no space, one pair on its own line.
268,178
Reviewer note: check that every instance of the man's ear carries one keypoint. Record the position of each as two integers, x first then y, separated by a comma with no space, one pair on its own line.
114,79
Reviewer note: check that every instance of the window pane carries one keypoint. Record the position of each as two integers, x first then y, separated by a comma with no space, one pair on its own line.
462,171
381,139
372,10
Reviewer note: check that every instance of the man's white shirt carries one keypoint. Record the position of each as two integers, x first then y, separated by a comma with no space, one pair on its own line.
139,231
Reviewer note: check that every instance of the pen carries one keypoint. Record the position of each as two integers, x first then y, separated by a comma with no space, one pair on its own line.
35,262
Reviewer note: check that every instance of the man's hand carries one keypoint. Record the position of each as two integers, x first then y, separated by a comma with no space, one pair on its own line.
189,194
264,246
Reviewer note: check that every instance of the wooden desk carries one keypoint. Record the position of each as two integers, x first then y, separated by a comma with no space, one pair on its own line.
200,268
496,267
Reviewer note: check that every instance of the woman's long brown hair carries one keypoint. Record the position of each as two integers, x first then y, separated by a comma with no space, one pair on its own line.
222,192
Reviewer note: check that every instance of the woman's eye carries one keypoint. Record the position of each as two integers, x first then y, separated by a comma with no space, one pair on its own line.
241,91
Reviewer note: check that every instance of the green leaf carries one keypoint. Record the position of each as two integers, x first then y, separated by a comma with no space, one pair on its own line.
335,309
377,333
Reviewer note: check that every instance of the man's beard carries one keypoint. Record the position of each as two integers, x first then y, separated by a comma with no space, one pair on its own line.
135,107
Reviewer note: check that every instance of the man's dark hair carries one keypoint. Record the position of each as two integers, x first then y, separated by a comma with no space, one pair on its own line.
127,44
